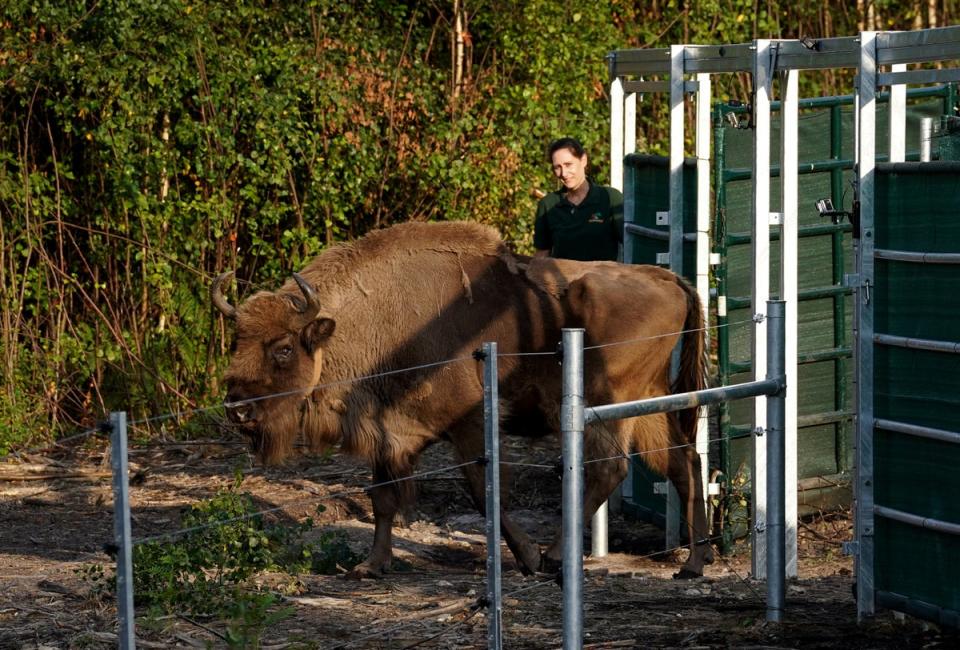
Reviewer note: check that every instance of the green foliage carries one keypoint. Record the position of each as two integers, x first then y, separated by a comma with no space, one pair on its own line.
206,571
147,146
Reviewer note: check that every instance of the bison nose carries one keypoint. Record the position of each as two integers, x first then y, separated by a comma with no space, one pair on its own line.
239,411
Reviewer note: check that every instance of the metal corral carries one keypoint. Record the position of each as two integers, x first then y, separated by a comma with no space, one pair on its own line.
880,60
825,255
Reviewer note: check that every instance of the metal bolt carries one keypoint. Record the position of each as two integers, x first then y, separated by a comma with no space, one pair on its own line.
759,431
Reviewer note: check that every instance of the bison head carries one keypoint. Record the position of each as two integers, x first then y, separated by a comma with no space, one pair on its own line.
276,362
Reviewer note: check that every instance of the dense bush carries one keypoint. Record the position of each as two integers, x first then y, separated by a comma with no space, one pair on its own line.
147,145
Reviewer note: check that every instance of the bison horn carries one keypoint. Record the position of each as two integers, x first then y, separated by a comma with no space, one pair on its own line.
216,295
313,300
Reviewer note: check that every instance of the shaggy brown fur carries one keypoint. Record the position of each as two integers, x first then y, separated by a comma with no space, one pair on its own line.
417,294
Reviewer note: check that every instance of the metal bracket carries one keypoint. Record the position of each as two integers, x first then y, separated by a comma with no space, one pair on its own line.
776,218
713,489
851,280
714,259
759,431
851,548
663,218
663,259
691,86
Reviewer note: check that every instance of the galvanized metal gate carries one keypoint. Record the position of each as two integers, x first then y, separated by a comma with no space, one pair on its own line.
880,60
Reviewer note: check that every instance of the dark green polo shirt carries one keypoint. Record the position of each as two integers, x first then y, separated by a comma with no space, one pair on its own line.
589,231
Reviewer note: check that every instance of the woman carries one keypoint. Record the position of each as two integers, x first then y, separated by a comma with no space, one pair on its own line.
581,220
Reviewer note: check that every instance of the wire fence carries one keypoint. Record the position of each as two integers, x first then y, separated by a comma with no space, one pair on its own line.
479,604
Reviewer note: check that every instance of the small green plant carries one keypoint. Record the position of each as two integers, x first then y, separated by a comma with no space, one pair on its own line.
205,572
331,554
249,614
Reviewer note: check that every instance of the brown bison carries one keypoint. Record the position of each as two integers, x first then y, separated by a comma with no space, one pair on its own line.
346,352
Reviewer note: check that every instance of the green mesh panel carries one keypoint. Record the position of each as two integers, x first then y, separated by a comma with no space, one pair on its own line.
651,192
917,209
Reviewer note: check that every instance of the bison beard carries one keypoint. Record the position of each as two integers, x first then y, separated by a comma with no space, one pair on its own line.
311,354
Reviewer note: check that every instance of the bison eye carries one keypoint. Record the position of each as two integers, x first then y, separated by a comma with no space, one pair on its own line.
283,354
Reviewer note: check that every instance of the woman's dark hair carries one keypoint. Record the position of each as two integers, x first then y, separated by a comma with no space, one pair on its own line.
565,143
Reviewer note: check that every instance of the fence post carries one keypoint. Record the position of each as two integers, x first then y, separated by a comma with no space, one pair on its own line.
121,529
491,437
571,426
776,463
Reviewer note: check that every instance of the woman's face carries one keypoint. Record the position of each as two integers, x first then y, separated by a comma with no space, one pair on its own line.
571,170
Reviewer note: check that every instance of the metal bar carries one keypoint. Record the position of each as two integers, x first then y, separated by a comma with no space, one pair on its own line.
639,62
723,334
898,117
678,93
918,76
843,100
122,536
915,430
491,439
677,97
919,258
842,434
928,523
646,86
918,608
789,283
653,233
740,238
817,356
760,289
616,133
926,138
629,211
682,401
917,344
778,479
863,488
703,133
571,426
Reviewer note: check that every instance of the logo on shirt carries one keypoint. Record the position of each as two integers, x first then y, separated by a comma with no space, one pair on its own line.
596,217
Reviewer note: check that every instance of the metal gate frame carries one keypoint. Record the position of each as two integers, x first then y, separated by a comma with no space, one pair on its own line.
766,59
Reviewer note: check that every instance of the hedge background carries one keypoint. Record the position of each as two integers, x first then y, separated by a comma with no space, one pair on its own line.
148,145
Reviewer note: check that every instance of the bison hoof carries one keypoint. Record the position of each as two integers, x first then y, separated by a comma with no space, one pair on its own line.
686,574
364,571
549,565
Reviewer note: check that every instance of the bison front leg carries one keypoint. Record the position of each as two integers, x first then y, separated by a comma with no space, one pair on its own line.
600,479
468,445
386,503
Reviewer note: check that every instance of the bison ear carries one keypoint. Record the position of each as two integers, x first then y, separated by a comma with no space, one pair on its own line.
316,332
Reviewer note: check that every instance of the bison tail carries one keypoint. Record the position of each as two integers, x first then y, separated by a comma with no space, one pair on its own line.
692,374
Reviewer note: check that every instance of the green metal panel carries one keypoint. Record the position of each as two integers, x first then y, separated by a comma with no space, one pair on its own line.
825,255
650,185
917,209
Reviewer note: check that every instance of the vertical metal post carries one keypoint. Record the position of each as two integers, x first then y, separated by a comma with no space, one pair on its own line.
491,441
121,529
866,162
789,282
760,241
616,133
776,462
599,526
926,138
703,134
571,426
678,94
898,117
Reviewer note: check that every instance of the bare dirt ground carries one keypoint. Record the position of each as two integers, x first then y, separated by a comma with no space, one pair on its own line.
56,513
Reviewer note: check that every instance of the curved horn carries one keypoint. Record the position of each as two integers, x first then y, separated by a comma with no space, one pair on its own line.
313,300
216,295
